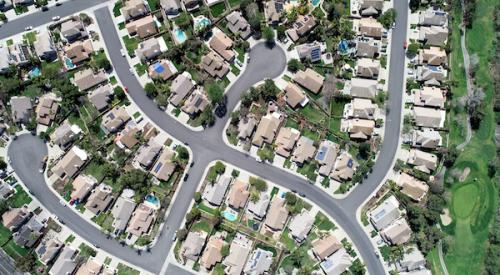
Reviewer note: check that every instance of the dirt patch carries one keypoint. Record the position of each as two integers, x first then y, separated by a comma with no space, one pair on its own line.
464,174
445,217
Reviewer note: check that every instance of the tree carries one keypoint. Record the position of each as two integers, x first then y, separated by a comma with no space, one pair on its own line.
412,49
103,63
290,198
364,150
254,16
268,34
224,250
85,19
162,100
4,206
192,215
197,197
26,263
119,93
269,90
215,93
357,268
182,156
181,234
3,164
151,90
294,65
258,183
388,18
135,179
207,117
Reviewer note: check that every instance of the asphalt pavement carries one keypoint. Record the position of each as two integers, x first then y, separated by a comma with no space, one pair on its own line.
208,146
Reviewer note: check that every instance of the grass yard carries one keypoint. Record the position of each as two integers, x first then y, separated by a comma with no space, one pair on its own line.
209,210
96,170
287,241
122,269
234,3
313,114
291,123
322,222
141,68
121,25
30,37
113,80
20,198
202,225
474,201
235,70
218,9
309,170
4,234
131,44
154,4
241,54
70,239
116,8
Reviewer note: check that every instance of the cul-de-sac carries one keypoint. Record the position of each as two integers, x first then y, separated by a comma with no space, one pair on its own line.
255,137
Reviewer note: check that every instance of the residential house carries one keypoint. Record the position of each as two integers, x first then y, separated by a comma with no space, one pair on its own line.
212,254
20,53
432,17
79,51
65,263
427,138
191,248
304,150
46,109
73,29
149,49
266,130
164,166
428,117
413,259
309,79
147,153
259,208
122,211
285,141
300,226
344,167
214,65
67,167
276,216
196,102
238,25
303,25
423,161
367,68
180,88
326,156
294,96
101,97
431,75
90,267
128,137
246,127
214,193
5,5
429,97
433,56
370,7
13,218
385,213
163,69
325,246
5,60
170,8
367,47
190,5
21,109
364,88
143,27
370,27
238,253
65,134
360,108
113,120
273,11
412,187
141,220
259,262
48,249
29,233
44,46
397,233
360,128
433,35
222,45
149,131
81,187
86,79
337,263
134,9
238,194
310,51
100,199
5,191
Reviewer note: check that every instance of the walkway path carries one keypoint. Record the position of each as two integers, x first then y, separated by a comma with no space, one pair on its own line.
441,259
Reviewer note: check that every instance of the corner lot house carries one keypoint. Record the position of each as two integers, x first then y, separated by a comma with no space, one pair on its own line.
268,126
164,166
214,194
70,164
326,156
141,220
44,46
29,233
246,127
122,211
65,263
196,102
336,263
300,226
180,88
134,9
384,214
344,167
73,29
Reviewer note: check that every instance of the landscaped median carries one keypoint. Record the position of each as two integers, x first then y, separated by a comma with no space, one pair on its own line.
234,211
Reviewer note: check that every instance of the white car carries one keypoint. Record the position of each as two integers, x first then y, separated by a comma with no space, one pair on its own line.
122,52
62,202
56,18
29,28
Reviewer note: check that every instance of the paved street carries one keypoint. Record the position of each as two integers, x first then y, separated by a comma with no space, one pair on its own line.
208,146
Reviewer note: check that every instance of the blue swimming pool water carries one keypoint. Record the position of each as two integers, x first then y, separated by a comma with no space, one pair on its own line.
180,35
230,216
315,3
201,22
158,68
35,72
69,63
152,199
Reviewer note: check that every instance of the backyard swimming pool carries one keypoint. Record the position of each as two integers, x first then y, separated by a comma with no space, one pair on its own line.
230,216
200,22
69,64
35,72
180,36
315,3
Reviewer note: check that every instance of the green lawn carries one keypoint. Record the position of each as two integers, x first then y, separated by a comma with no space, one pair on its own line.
308,169
202,225
20,198
141,68
30,37
234,3
291,123
218,9
474,201
207,209
113,80
322,222
131,44
70,239
154,4
235,70
287,240
94,169
122,269
313,114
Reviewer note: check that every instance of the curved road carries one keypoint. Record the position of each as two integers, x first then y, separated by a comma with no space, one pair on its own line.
208,146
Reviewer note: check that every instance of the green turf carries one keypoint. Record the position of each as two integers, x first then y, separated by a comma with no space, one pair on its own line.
126,270
20,198
202,226
218,9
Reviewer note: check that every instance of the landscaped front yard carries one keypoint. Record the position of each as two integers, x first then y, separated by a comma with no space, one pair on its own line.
131,44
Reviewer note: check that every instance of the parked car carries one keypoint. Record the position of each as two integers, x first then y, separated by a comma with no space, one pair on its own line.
28,28
56,18
122,51
186,177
